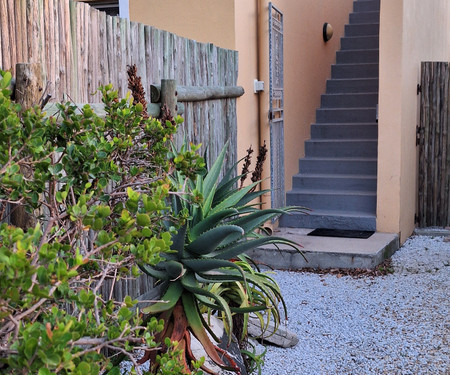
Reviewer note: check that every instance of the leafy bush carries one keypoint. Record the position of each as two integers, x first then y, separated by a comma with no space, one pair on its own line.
95,190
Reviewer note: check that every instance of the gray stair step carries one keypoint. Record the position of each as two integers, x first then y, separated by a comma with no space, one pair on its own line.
364,17
342,200
366,6
362,29
359,42
357,56
346,115
340,131
340,71
341,148
352,85
330,219
352,100
352,165
334,181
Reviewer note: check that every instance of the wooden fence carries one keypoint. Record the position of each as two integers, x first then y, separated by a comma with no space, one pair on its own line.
81,48
434,150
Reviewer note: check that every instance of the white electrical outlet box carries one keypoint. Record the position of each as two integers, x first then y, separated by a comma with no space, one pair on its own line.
258,86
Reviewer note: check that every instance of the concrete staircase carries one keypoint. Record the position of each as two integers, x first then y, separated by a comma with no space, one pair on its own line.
337,178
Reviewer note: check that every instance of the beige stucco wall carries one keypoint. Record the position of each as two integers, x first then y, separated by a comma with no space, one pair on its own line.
307,65
411,31
207,21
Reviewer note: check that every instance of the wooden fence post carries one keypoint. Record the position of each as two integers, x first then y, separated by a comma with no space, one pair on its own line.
29,84
29,88
169,95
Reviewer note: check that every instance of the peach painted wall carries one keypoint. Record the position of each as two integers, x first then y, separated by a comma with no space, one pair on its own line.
411,31
207,21
307,65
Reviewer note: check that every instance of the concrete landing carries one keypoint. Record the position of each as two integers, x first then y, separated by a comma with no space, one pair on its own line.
327,252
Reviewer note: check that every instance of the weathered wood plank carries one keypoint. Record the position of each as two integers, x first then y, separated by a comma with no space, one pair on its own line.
5,47
434,170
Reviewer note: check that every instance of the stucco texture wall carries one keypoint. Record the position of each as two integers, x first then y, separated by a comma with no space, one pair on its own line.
206,21
307,65
411,31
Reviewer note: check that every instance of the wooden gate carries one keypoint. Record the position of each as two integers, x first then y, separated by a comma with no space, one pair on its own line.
434,150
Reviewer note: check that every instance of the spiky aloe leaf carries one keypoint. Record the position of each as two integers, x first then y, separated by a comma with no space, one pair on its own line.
151,271
211,180
168,300
196,325
191,284
251,196
208,264
210,222
233,250
207,242
178,241
240,310
233,199
252,221
224,190
173,268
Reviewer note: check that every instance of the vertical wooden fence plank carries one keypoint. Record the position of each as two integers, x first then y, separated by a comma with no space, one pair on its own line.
18,31
93,55
148,58
12,35
103,78
6,56
57,63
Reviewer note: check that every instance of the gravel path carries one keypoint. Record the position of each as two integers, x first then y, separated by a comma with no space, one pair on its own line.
395,324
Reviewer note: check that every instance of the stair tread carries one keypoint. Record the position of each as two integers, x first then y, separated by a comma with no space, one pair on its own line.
297,191
336,213
345,123
359,50
334,175
353,79
349,158
346,108
342,140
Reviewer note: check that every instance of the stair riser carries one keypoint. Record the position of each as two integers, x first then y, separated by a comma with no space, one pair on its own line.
349,203
338,166
349,101
346,115
366,6
362,29
358,56
327,183
336,86
344,131
342,149
331,222
354,71
354,43
364,17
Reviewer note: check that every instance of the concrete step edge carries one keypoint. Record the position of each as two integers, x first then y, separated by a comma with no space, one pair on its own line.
334,192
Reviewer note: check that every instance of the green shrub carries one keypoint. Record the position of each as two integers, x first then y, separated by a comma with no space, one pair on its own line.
96,190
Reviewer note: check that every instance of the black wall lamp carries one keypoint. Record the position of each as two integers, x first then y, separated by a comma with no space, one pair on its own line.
327,32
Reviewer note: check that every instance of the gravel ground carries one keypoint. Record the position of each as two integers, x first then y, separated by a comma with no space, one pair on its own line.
394,324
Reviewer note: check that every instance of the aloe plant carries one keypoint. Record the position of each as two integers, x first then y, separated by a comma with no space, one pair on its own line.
206,253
